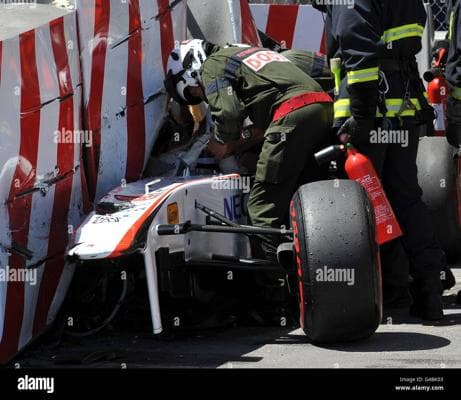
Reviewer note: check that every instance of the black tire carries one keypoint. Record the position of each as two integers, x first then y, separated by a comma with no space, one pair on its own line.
334,227
437,175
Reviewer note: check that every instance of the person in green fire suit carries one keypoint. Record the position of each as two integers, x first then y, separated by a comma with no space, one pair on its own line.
255,93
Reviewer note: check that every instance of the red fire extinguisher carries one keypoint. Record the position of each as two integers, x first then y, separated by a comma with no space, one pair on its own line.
437,91
360,169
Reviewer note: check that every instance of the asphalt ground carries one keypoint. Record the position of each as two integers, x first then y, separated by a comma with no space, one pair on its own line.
400,342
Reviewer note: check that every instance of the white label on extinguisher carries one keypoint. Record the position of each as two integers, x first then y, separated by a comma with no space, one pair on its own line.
387,226
439,122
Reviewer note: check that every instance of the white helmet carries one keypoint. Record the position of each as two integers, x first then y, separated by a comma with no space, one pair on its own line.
183,70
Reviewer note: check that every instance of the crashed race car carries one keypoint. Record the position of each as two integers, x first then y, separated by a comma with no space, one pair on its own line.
187,226
191,231
192,226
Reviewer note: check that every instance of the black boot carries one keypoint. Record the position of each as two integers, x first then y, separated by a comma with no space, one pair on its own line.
395,273
427,295
448,279
396,297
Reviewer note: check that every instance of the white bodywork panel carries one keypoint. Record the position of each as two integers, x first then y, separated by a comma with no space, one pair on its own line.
113,235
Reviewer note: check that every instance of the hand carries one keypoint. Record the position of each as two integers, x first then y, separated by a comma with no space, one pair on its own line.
356,131
217,149
454,122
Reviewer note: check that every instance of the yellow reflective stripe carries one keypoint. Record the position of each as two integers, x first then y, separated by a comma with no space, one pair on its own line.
402,32
394,106
342,108
450,30
456,93
363,75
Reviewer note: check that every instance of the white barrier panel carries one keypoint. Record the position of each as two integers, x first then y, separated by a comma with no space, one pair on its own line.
42,183
124,49
294,26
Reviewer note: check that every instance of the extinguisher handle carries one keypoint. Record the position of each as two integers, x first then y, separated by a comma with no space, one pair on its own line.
441,57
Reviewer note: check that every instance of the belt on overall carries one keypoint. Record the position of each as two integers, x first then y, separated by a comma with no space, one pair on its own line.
300,101
408,67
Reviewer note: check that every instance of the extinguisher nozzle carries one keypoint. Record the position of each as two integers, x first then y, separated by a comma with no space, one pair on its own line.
329,154
431,74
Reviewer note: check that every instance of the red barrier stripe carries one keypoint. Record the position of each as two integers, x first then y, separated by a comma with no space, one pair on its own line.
83,183
282,16
93,109
249,30
23,178
323,44
166,30
135,99
58,235
58,43
127,240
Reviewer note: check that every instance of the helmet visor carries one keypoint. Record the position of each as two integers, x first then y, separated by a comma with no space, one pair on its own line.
171,86
190,98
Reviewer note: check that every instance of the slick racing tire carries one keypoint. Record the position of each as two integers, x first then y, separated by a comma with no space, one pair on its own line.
438,177
337,261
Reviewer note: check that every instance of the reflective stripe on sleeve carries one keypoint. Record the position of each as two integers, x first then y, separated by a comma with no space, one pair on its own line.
402,32
456,93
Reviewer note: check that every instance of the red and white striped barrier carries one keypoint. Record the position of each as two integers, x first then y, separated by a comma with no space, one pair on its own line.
222,22
124,49
294,26
249,30
41,178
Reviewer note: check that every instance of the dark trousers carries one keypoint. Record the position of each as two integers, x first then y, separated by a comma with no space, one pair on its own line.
398,170
287,161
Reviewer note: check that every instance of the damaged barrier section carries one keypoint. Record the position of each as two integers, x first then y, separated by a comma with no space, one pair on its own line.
222,22
287,23
42,184
83,101
124,50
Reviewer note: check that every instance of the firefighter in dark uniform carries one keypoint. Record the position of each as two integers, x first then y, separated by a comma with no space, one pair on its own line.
453,75
253,91
377,41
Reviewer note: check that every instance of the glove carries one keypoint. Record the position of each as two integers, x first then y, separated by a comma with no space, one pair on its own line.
356,131
364,100
454,122
454,135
